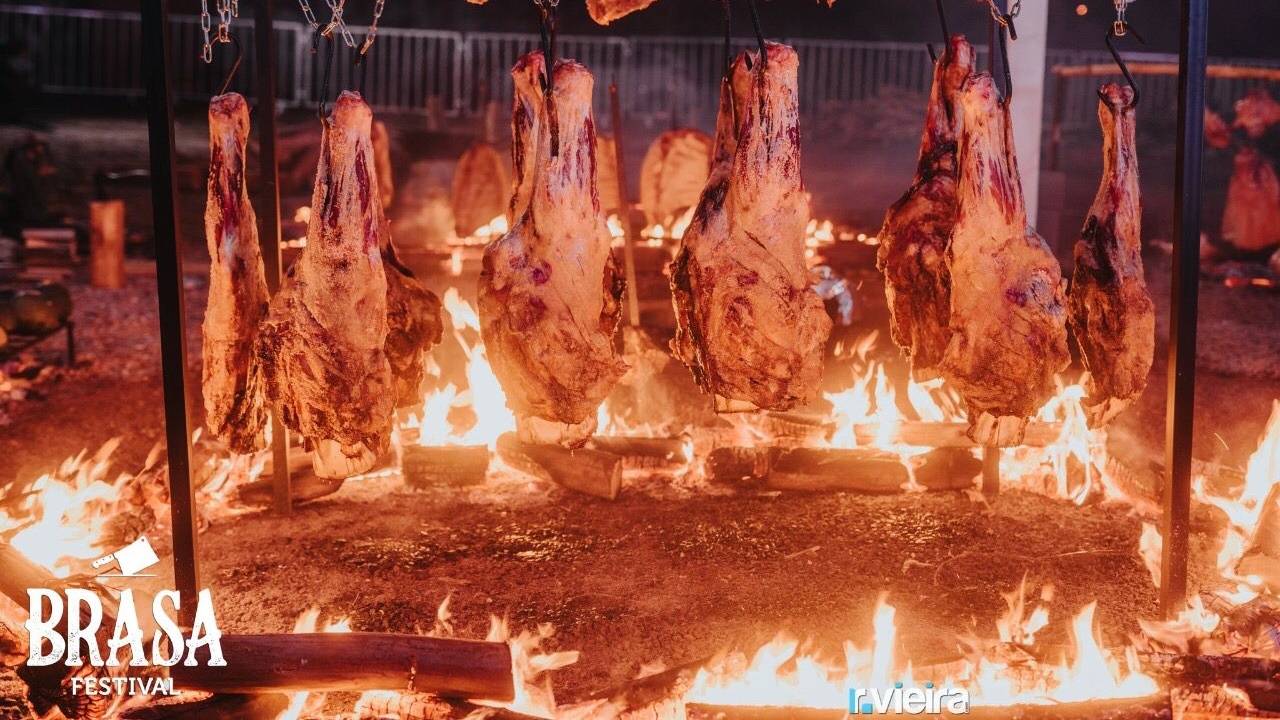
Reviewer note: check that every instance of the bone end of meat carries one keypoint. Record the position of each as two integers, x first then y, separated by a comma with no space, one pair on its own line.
1112,313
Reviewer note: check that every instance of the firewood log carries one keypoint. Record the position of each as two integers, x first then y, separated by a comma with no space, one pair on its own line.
648,698
666,449
212,707
446,465
854,470
423,706
734,464
589,471
335,662
942,434
1209,669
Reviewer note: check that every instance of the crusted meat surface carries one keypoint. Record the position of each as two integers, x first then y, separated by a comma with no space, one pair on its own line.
917,229
1112,314
323,344
549,290
1008,312
749,326
673,174
481,188
235,408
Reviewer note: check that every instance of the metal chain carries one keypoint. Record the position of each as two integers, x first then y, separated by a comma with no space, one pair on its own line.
227,9
1014,10
372,34
1121,25
308,14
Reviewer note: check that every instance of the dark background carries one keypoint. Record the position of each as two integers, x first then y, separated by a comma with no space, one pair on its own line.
1237,28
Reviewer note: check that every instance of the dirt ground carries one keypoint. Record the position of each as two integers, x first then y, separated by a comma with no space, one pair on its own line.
668,577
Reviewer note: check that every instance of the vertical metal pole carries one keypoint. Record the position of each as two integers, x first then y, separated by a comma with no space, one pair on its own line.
991,471
1183,305
173,350
269,221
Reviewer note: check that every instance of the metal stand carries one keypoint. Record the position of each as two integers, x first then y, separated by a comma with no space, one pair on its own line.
1183,304
173,351
269,222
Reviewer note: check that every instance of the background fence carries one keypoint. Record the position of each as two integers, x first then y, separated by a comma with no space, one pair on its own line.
665,80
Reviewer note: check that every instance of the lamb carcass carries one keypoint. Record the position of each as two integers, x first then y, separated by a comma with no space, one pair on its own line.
1251,217
549,291
481,189
1008,313
674,172
323,344
749,326
235,408
606,11
917,228
1112,314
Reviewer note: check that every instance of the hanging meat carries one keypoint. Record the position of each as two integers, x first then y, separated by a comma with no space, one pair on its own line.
323,344
382,162
527,117
606,11
1008,313
235,409
749,326
549,290
1251,217
917,228
607,174
1112,314
481,189
673,174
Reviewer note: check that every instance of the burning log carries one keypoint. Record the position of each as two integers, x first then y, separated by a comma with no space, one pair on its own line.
668,450
449,465
660,695
855,470
1209,669
336,662
864,470
594,472
424,706
943,434
213,707
1147,708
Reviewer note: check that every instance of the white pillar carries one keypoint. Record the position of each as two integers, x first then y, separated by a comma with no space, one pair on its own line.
1027,56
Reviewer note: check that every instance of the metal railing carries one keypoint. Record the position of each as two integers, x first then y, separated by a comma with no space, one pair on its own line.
666,80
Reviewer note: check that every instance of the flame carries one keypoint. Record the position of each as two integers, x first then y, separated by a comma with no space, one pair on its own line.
484,395
530,667
1015,625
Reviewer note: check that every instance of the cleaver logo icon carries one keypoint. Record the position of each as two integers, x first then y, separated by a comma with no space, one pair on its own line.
131,559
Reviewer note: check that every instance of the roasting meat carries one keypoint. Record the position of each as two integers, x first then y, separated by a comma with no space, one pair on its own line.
549,290
235,409
481,189
323,345
1112,314
749,326
382,162
917,228
1008,316
1251,217
528,114
606,11
673,174
607,174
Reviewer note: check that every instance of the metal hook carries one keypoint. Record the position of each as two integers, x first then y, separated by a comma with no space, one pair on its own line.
755,23
946,32
727,10
324,32
235,65
998,28
547,29
1122,27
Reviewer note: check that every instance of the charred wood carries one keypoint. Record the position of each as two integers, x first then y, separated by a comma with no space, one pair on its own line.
652,697
661,449
855,470
424,706
335,662
447,465
213,707
946,434
594,472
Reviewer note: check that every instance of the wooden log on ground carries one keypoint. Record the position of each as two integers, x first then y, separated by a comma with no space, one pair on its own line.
946,468
1209,669
424,706
855,470
589,471
445,465
106,243
354,662
648,698
667,449
210,707
304,487
943,434
735,464
1156,707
